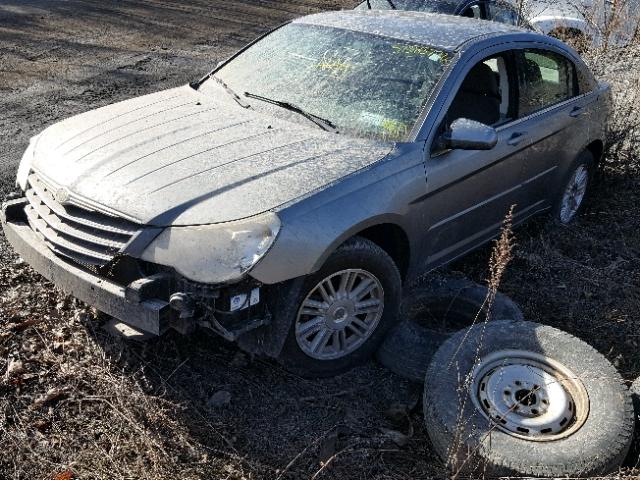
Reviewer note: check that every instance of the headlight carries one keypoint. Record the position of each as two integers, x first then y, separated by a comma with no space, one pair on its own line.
216,253
25,164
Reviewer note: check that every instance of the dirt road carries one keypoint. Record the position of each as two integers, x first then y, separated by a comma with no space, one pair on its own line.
78,401
62,57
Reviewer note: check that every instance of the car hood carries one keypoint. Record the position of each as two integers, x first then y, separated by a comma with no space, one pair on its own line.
179,157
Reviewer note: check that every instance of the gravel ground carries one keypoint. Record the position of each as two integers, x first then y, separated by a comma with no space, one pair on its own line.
76,403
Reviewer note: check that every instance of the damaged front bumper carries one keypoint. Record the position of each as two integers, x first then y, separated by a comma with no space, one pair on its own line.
152,315
152,304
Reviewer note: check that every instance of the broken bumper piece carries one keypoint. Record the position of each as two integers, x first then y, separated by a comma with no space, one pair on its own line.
151,315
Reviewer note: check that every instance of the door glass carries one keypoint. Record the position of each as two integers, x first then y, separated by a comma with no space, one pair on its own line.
484,94
546,78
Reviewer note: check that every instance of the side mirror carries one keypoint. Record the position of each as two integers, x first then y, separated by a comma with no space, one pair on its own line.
466,134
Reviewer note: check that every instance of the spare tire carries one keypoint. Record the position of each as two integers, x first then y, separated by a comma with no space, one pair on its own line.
429,314
523,399
633,459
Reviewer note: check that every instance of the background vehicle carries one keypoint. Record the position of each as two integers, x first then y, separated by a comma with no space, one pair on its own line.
584,23
498,11
234,204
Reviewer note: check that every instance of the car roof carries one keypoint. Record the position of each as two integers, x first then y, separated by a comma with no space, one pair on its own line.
445,32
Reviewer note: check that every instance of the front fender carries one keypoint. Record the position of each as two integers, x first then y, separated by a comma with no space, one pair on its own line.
315,227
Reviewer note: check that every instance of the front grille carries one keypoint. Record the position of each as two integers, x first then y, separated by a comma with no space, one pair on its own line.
85,236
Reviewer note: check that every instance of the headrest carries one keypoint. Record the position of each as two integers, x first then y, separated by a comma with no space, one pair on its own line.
481,80
532,71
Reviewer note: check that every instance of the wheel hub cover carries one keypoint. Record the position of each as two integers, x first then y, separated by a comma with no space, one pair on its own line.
574,194
528,395
339,314
527,398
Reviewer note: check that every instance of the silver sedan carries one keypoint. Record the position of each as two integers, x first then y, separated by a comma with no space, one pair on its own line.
283,199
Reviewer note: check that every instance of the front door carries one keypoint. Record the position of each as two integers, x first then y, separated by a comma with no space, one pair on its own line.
469,192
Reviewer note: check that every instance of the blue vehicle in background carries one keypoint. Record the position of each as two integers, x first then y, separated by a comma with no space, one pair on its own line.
498,11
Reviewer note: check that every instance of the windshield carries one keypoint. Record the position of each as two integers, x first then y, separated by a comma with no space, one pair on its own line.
432,6
365,85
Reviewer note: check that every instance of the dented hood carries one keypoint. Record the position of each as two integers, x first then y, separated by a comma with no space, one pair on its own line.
180,157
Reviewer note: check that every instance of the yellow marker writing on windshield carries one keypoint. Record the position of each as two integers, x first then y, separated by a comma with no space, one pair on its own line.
394,128
333,66
423,50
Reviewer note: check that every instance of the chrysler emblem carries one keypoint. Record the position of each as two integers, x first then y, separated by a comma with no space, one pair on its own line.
62,196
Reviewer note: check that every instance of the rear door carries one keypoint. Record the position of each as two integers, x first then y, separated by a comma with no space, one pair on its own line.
553,121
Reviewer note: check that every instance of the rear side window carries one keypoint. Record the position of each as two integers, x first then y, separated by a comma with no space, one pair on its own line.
586,81
545,78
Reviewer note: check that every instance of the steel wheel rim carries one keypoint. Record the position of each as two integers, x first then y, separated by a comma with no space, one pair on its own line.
339,314
574,194
529,396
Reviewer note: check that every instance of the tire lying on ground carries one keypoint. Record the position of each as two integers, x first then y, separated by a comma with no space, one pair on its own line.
429,314
633,459
523,399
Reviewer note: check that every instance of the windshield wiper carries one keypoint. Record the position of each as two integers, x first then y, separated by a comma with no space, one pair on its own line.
230,91
323,123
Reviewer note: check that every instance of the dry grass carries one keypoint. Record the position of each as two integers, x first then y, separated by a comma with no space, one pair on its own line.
77,400
501,255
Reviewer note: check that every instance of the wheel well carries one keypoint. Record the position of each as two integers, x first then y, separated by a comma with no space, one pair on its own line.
393,240
596,149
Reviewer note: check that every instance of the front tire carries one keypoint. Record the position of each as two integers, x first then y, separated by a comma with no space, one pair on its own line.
343,311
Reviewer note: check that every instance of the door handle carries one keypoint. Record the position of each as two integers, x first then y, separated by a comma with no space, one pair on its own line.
516,138
576,112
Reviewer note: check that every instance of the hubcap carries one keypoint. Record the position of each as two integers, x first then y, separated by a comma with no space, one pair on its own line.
528,395
339,314
574,194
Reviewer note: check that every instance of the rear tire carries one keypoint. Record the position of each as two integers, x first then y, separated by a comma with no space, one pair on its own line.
576,186
336,337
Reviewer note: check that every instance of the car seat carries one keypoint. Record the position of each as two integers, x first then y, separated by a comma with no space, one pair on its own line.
478,98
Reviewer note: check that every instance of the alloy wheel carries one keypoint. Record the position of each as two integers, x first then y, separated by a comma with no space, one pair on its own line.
574,194
339,314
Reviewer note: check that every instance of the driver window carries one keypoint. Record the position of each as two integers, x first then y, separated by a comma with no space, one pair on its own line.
484,94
